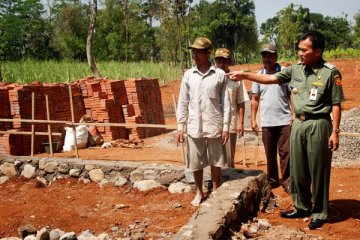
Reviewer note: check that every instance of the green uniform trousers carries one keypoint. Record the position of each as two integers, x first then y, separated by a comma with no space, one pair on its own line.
310,164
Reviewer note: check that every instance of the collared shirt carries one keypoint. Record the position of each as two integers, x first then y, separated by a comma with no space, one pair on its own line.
237,94
275,107
322,80
203,103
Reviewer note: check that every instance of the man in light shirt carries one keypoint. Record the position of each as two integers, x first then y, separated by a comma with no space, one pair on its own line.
204,113
275,119
238,96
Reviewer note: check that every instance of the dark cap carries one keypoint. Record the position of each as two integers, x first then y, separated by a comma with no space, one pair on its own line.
223,53
201,43
269,47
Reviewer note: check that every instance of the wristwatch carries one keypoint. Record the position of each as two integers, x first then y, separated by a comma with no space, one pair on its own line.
337,130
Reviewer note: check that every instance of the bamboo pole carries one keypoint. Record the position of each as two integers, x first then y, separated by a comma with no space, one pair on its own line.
49,126
182,144
15,132
244,151
73,121
256,148
32,125
129,125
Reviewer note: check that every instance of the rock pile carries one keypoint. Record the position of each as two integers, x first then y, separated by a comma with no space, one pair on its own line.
349,151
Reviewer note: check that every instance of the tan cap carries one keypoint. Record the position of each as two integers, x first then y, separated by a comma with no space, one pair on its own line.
201,43
268,47
223,53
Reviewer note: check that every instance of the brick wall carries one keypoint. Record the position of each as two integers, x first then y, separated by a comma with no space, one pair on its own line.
106,101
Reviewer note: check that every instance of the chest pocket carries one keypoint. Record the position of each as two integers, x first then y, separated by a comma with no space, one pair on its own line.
213,90
297,84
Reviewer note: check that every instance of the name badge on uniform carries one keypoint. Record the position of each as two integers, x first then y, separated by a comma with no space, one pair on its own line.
313,94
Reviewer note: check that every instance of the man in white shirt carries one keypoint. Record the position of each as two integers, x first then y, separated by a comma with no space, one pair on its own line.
203,112
238,96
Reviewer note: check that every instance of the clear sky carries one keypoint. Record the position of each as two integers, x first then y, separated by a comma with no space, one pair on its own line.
265,9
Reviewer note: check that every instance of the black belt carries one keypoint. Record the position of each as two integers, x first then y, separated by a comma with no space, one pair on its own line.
304,117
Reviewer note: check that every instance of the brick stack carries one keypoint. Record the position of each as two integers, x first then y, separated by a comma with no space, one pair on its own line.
106,101
103,99
20,101
4,113
4,108
144,106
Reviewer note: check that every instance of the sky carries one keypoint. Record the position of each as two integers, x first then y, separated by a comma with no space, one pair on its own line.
265,9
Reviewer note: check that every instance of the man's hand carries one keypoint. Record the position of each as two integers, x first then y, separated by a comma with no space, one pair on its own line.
334,141
236,75
224,137
180,136
292,119
240,130
254,126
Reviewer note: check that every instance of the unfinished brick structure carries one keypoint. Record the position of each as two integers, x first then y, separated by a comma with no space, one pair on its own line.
106,101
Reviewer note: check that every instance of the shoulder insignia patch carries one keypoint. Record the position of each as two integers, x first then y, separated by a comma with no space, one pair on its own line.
337,79
329,65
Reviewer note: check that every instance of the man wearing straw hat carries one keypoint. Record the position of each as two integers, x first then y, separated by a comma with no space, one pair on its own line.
204,108
238,96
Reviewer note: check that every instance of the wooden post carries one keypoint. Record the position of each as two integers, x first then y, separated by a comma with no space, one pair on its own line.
244,151
73,120
182,144
32,124
48,125
257,136
256,148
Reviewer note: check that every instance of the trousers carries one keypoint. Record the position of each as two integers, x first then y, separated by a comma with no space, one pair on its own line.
277,140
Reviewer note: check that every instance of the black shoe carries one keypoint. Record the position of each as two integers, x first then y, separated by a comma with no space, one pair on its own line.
296,213
316,223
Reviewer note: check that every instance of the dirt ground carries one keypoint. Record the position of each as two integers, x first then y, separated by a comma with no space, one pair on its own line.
72,206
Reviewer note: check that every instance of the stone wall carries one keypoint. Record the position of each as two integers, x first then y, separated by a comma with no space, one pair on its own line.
47,170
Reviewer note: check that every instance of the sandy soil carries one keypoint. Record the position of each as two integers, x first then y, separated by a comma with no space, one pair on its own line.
73,206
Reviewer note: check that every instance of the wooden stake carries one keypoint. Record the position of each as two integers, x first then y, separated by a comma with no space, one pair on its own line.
49,126
182,144
73,120
244,151
32,125
256,148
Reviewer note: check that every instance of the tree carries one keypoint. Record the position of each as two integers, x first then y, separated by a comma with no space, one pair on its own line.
337,32
228,23
292,23
23,31
357,30
269,29
167,35
70,26
89,41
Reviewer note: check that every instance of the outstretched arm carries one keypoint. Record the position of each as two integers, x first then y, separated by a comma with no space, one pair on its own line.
260,78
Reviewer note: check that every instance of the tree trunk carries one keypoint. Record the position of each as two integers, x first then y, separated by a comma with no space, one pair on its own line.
89,42
127,37
1,78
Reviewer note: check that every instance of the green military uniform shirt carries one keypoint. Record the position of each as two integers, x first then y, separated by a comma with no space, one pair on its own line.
323,81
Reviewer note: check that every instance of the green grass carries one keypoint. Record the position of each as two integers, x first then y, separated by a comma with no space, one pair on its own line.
28,71
342,53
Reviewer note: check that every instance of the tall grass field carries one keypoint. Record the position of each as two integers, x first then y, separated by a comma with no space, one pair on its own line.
28,71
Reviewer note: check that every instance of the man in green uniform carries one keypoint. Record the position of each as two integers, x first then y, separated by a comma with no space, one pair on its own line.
316,93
